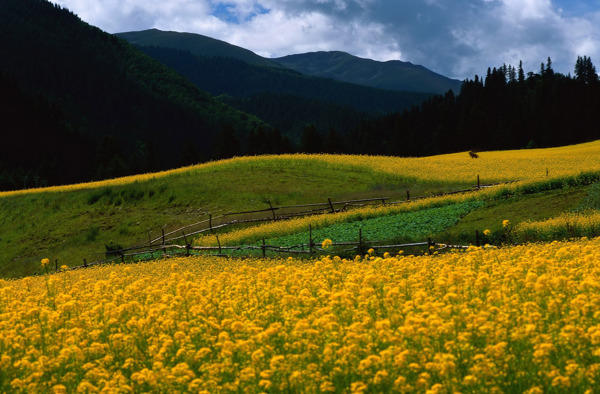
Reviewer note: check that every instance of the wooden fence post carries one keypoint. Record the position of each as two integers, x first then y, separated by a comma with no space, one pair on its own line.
56,264
84,263
430,245
264,252
331,205
163,236
407,194
187,245
272,210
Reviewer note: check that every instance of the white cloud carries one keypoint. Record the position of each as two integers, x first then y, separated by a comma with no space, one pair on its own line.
460,38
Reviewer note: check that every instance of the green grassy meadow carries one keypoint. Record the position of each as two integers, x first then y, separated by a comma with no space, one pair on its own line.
70,226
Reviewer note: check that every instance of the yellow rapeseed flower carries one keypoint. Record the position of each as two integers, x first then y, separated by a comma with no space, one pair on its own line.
326,243
398,323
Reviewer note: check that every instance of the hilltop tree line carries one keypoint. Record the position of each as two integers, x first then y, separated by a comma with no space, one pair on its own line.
506,109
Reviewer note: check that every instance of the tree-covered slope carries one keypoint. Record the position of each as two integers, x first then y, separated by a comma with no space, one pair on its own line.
238,77
505,110
284,98
131,113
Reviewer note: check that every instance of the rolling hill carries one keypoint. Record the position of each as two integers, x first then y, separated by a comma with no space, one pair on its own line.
80,221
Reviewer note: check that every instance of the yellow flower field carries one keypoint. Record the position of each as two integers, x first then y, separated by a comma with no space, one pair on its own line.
519,319
493,166
564,226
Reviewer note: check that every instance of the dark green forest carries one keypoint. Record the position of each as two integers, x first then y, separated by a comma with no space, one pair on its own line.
506,109
284,98
78,104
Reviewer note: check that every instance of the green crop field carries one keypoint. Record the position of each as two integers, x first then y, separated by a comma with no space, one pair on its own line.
73,223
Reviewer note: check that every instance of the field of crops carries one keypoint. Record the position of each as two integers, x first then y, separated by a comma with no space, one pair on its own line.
405,227
519,319
492,166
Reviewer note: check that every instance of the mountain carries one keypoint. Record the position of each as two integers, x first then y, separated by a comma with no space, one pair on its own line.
234,77
280,96
391,75
81,104
196,44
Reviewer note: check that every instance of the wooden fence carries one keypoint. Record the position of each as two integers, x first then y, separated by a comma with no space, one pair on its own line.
272,213
171,240
311,249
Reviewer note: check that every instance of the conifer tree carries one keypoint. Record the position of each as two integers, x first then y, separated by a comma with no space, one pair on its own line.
585,71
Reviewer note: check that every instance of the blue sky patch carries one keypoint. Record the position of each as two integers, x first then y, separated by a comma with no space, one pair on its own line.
227,12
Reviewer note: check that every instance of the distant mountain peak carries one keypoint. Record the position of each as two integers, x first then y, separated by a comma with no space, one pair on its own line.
196,44
391,75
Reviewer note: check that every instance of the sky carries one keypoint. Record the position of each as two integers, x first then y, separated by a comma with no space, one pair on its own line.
456,38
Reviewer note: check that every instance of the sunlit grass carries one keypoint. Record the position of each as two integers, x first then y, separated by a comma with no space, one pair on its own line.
73,222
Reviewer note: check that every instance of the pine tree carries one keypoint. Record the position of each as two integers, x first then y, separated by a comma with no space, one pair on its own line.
585,71
521,73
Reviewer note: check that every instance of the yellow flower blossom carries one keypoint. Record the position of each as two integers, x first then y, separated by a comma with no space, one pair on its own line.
523,317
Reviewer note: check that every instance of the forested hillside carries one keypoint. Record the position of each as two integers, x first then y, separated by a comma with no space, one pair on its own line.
282,97
506,109
81,104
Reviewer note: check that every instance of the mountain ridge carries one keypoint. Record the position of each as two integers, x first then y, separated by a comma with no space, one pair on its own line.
285,98
196,44
391,75
341,66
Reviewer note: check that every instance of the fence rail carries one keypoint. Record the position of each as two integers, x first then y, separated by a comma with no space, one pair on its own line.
218,222
311,249
171,240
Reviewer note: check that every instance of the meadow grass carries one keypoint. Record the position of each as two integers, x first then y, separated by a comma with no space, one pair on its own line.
76,222
73,222
532,200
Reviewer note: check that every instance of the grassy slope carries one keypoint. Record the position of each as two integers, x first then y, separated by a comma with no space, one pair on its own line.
73,225
78,222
